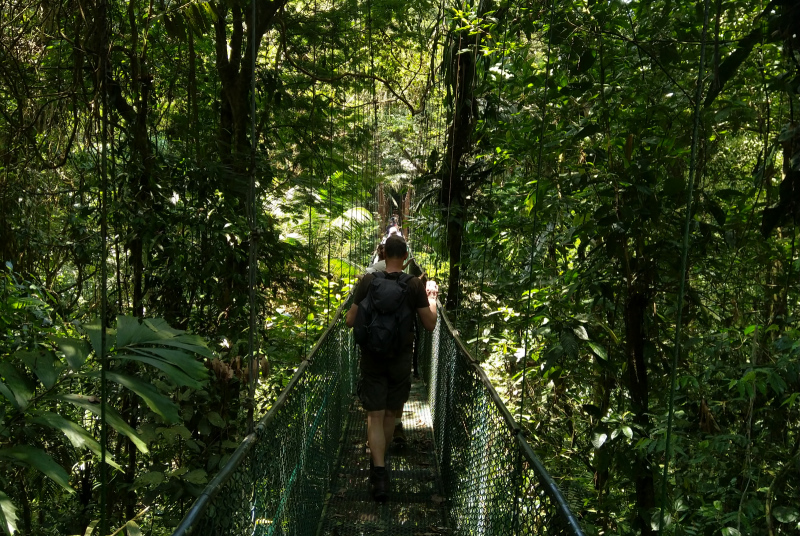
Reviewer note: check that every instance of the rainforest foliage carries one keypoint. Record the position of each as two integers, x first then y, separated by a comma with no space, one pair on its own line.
558,159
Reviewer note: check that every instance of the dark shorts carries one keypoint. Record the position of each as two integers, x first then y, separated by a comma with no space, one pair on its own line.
385,383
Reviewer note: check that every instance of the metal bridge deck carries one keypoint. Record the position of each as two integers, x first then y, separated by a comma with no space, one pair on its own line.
416,505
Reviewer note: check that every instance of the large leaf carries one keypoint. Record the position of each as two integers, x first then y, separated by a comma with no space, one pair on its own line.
76,351
8,515
93,329
133,529
160,325
77,435
44,364
15,386
114,419
786,514
175,374
157,402
569,342
40,460
191,343
178,358
131,331
598,350
580,332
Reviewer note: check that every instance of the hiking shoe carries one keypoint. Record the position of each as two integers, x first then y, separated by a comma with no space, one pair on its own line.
379,483
399,435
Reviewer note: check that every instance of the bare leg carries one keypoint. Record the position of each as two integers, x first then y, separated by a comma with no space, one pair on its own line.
388,426
376,434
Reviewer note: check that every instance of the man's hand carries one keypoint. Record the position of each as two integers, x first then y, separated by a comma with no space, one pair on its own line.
428,314
432,289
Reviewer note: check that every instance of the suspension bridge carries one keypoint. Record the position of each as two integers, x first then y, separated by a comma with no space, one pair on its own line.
468,467
465,469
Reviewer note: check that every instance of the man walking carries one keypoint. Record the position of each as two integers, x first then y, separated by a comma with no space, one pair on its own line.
385,381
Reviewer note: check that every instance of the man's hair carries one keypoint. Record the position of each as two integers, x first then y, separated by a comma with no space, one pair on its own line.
395,247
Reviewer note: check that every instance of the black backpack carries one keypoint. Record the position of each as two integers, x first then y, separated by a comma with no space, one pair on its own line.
384,317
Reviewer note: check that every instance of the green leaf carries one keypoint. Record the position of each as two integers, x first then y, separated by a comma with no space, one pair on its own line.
189,364
198,476
90,528
598,350
133,529
95,334
175,374
131,331
580,332
152,478
114,419
8,514
215,419
627,431
44,364
157,402
786,514
569,343
16,387
75,350
730,531
77,435
159,324
598,439
191,343
40,460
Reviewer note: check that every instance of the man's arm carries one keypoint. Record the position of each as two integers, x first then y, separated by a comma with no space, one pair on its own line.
428,314
358,294
350,319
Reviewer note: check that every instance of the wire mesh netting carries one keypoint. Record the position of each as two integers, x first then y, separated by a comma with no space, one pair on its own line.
493,481
277,480
466,469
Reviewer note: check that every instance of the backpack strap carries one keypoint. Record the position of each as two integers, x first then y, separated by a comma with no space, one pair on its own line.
405,278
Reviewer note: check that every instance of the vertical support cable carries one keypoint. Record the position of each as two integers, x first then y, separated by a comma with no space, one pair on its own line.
329,276
536,206
684,264
104,75
252,361
491,188
375,134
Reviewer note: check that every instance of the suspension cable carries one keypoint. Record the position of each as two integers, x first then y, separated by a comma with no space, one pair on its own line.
252,362
536,205
104,76
684,264
491,186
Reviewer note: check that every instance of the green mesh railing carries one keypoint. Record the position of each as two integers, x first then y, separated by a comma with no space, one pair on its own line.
277,481
493,481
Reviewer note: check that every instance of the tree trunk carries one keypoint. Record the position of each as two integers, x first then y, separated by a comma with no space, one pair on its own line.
635,310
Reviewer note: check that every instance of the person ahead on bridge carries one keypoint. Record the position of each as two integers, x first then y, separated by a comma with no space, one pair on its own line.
392,223
385,381
380,264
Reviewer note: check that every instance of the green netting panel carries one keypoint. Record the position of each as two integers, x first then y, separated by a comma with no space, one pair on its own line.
277,481
493,481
